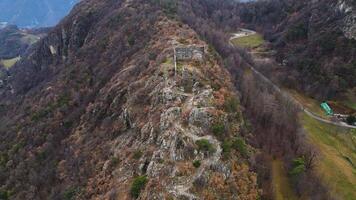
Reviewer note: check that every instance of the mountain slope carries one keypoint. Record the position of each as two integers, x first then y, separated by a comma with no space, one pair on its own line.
34,13
14,41
96,110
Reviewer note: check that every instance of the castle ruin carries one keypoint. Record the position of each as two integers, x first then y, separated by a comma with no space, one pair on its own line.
185,53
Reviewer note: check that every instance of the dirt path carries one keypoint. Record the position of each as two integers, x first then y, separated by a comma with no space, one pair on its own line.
183,188
287,95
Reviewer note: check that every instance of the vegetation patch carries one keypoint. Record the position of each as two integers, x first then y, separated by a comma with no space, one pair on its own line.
351,119
231,104
3,159
218,129
237,144
298,167
138,184
5,194
205,145
196,163
137,154
61,102
226,148
240,145
70,193
114,161
131,40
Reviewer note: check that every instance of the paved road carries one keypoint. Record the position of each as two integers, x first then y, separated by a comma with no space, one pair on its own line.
285,94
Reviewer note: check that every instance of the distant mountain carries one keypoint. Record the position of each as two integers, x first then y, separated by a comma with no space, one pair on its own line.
34,13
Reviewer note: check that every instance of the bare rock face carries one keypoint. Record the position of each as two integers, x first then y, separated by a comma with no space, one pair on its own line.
349,27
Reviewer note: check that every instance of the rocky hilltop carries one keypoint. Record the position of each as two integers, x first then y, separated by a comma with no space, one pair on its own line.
101,108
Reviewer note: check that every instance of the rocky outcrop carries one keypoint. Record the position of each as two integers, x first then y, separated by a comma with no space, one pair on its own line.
349,26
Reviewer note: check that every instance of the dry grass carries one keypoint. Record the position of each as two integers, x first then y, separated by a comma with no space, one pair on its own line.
281,186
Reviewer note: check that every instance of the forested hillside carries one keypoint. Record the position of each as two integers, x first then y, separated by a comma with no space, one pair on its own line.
315,40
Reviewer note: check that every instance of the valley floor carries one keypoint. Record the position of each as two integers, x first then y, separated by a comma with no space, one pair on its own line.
337,163
336,142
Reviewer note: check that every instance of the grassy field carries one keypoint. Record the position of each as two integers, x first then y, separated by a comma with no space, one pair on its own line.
30,39
281,187
8,63
251,41
337,165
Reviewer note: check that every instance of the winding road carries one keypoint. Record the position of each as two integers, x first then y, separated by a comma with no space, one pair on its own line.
244,33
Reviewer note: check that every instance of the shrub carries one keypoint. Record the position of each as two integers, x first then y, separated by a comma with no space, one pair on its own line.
152,56
137,154
5,194
196,163
240,145
2,108
351,120
226,147
218,129
3,159
70,193
231,104
298,167
170,7
296,32
137,185
67,124
205,145
42,155
114,161
131,40
16,147
35,117
63,100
